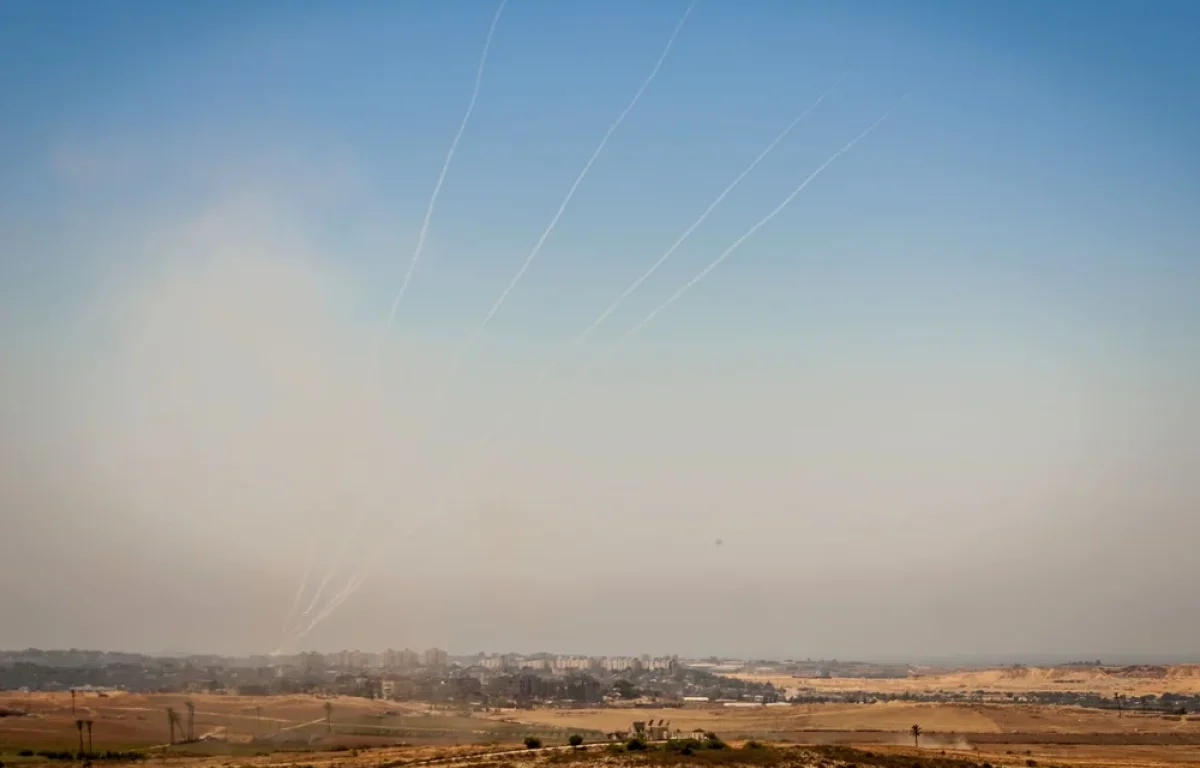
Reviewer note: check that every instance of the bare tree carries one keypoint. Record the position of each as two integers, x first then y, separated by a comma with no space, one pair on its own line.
916,734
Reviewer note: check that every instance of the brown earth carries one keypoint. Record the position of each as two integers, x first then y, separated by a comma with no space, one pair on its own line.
999,734
792,721
139,721
1132,681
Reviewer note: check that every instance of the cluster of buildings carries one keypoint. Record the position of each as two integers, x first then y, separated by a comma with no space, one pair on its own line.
435,658
567,664
389,660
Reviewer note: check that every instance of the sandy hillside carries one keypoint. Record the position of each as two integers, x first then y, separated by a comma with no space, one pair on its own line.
1132,681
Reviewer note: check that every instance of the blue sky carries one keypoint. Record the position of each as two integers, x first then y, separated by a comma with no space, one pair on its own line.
1046,138
1017,242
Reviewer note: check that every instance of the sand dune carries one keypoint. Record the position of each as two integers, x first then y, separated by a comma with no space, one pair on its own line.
1129,680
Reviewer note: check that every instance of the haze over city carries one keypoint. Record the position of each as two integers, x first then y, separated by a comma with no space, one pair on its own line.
943,405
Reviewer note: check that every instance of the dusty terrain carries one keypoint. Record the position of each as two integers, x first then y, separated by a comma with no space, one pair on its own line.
292,731
1131,681
138,721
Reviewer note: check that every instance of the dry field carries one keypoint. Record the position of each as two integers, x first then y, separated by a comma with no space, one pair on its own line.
125,721
999,734
1131,681
808,721
1006,735
738,756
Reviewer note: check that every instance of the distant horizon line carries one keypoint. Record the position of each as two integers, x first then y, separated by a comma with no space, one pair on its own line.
962,660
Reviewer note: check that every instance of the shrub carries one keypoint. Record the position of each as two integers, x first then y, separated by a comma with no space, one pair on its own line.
635,745
575,740
752,744
533,742
714,742
26,753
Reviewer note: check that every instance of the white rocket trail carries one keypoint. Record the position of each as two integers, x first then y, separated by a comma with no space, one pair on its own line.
761,222
596,361
360,577
299,592
582,336
356,580
578,180
437,189
396,301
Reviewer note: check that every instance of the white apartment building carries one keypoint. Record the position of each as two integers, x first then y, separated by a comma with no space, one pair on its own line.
572,663
620,663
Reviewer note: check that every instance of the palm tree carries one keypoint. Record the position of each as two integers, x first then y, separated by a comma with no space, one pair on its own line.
79,726
328,716
88,723
916,734
172,721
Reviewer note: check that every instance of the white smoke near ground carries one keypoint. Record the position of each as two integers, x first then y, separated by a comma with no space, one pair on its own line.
166,438
359,576
176,450
356,581
391,320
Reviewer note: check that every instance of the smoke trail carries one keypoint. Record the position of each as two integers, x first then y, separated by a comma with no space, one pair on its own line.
299,592
395,306
351,587
360,577
495,308
324,583
583,335
600,358
757,226
761,222
571,192
437,189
